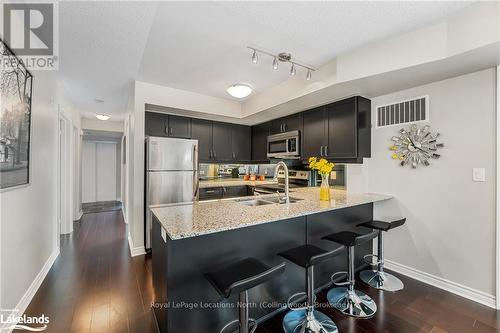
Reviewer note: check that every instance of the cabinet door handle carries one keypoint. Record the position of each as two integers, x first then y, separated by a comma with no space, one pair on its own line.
326,150
170,131
210,191
234,155
215,154
210,153
284,127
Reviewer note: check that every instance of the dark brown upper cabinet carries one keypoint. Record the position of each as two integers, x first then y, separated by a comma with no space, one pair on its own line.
286,124
156,124
201,130
179,127
241,141
314,134
260,133
221,141
349,129
159,124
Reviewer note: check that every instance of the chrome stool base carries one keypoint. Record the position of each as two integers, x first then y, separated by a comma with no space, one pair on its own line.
352,303
381,280
297,321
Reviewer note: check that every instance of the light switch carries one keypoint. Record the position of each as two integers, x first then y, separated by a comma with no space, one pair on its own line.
478,175
164,235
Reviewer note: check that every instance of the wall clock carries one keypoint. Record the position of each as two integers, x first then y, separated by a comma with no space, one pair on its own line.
415,146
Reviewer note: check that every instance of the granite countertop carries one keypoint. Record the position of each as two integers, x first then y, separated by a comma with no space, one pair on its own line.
206,217
233,182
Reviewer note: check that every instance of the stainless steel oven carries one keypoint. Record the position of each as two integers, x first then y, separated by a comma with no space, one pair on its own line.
284,145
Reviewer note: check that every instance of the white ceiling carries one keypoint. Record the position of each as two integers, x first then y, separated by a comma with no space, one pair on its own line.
201,46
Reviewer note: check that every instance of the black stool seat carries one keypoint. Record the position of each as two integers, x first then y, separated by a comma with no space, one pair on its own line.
383,225
309,255
242,275
349,238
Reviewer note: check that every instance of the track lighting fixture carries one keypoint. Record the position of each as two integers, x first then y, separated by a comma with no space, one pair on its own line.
255,57
275,63
283,57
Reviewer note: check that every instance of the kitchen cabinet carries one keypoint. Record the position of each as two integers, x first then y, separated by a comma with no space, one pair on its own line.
202,131
159,124
286,124
339,131
241,142
179,127
314,134
259,141
156,124
236,191
349,129
210,193
221,141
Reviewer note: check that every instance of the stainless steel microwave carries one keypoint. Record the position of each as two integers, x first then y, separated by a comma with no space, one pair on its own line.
284,145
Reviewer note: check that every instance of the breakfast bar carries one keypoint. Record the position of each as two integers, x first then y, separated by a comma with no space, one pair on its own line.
192,239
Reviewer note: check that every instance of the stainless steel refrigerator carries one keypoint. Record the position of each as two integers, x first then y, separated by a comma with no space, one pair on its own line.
171,174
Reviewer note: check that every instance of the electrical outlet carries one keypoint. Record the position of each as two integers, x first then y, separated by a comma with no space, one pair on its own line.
478,174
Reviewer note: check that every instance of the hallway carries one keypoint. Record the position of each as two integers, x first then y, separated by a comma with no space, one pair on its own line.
94,285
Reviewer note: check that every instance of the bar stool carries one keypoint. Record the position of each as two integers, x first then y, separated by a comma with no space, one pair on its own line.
306,319
239,277
378,278
345,298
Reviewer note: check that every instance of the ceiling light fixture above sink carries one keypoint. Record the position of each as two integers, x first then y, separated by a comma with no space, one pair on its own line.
283,57
239,90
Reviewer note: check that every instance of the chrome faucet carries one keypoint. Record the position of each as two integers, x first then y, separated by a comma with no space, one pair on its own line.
282,164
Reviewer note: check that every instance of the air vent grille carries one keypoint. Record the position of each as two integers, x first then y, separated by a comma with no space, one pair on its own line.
408,111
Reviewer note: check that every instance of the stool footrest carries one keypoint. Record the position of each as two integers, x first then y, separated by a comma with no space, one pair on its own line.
335,275
290,303
368,259
251,322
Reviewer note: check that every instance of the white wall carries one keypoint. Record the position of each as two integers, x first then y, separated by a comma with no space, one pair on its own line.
29,214
450,229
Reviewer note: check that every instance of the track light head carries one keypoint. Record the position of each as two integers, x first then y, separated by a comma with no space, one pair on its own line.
255,57
309,75
275,63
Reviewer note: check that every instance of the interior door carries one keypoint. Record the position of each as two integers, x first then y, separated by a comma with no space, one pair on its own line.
89,172
106,171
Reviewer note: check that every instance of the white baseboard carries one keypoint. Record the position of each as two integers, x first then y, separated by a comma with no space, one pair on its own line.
452,287
135,251
33,288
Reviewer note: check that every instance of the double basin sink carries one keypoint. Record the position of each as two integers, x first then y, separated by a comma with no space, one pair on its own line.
265,201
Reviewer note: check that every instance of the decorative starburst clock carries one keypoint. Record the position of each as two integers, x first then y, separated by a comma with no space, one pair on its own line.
415,146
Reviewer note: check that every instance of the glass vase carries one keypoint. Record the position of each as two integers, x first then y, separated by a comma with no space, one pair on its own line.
324,190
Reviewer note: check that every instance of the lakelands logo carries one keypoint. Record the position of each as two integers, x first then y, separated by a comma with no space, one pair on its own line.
9,320
31,32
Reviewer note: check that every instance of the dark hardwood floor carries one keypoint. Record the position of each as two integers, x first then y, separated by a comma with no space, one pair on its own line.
94,286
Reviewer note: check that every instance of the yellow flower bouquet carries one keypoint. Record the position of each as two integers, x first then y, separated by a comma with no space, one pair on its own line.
324,168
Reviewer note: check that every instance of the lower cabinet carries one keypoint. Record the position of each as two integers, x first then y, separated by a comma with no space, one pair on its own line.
223,192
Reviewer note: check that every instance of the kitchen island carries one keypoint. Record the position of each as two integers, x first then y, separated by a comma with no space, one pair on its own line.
192,239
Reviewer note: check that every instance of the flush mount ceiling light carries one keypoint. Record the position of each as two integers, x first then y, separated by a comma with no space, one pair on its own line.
102,117
239,90
283,57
